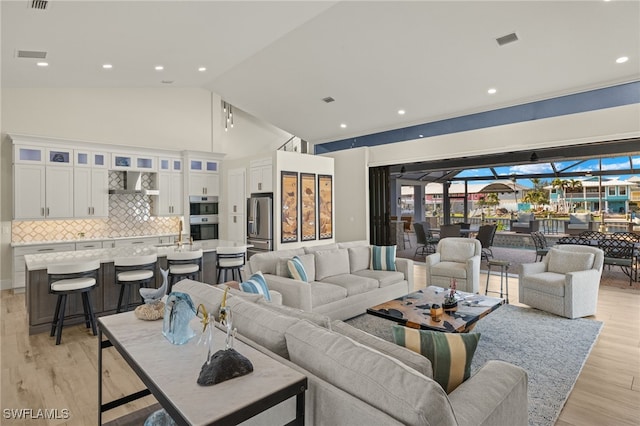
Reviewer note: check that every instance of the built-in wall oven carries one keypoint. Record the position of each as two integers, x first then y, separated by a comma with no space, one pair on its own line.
203,217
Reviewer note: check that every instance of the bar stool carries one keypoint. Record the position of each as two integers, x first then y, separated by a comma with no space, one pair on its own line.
66,279
130,271
184,264
230,259
504,274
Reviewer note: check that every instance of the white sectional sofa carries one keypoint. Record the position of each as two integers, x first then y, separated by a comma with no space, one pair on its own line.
355,378
340,284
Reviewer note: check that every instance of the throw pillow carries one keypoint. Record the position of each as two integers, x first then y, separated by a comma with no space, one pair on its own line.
296,269
383,258
450,353
256,284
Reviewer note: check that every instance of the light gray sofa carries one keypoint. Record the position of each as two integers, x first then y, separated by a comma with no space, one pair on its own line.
341,285
355,378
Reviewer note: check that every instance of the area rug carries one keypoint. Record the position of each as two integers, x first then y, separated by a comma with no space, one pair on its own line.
551,349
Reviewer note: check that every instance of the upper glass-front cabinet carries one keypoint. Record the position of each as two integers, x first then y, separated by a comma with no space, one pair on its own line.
29,154
170,165
133,162
91,159
197,165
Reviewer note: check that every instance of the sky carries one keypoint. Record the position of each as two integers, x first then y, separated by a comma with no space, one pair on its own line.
611,163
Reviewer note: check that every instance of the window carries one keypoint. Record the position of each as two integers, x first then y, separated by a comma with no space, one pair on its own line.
622,190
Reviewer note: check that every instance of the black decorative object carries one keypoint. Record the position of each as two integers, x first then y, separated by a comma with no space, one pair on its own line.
224,365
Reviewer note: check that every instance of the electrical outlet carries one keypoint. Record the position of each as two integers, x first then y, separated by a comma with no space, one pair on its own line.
6,229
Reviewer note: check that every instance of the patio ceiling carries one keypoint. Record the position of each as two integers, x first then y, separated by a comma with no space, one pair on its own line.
549,163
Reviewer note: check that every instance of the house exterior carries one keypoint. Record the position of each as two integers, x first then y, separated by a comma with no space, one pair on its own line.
617,196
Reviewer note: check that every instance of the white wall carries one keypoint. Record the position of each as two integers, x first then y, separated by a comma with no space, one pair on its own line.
606,124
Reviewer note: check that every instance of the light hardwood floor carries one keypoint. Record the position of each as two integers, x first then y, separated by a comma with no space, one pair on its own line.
37,374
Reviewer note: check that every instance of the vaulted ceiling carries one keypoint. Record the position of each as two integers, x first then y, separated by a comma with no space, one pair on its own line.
278,60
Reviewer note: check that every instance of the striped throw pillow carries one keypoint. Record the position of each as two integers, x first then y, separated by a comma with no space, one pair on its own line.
296,269
450,353
383,258
256,284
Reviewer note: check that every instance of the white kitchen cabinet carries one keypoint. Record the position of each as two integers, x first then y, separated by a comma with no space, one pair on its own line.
204,184
91,192
170,165
203,165
42,192
261,176
236,205
137,241
89,245
170,200
19,273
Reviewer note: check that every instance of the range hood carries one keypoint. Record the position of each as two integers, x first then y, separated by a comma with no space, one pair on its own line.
133,185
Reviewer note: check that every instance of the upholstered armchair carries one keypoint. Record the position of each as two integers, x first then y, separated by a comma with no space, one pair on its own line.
458,258
565,283
525,223
578,223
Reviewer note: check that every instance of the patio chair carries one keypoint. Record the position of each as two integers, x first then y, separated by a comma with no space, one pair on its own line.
525,223
485,235
621,253
542,247
578,223
565,283
425,239
455,258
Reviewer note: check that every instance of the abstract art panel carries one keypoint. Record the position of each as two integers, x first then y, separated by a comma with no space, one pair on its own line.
325,207
289,207
308,206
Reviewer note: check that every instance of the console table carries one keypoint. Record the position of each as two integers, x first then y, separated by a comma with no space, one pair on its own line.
170,373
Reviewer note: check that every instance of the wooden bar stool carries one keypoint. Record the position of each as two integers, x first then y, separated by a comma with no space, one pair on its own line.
66,279
184,264
230,259
133,270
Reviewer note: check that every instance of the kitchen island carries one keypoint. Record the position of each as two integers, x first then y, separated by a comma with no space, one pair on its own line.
41,304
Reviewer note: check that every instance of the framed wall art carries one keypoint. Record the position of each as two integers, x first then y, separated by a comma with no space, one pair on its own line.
308,206
289,226
325,207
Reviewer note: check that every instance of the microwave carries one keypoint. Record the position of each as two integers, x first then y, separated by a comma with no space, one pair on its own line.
203,206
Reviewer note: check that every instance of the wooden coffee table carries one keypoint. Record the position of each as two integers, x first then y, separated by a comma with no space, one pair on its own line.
413,310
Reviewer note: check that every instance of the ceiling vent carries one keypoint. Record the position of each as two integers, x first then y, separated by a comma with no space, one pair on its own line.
39,4
31,54
509,38
328,99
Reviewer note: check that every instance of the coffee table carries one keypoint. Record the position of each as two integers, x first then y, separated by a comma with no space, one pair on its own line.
413,310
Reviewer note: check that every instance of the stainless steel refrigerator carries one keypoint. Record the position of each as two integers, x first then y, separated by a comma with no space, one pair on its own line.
260,223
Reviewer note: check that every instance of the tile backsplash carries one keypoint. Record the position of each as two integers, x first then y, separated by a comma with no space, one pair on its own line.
130,215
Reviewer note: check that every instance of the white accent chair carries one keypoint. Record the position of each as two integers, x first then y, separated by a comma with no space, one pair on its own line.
455,258
565,283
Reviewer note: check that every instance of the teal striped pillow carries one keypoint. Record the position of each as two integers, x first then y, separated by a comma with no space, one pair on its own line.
296,269
450,353
383,258
256,284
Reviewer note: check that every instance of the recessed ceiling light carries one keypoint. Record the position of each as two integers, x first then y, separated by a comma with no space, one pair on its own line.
202,69
167,81
622,59
107,66
492,91
422,136
344,126
42,64
401,112
159,67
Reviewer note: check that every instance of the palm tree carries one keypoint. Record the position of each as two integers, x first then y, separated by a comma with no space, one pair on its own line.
574,185
561,185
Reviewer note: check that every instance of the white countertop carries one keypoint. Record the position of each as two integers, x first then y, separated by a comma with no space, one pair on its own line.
87,240
41,261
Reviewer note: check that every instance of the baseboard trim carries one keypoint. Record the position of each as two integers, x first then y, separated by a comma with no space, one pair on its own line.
6,284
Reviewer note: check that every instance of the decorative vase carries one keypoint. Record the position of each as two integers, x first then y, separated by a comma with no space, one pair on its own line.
179,311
